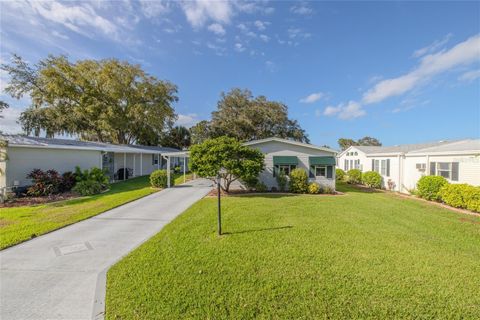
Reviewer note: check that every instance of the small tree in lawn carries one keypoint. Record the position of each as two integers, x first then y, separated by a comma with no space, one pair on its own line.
240,162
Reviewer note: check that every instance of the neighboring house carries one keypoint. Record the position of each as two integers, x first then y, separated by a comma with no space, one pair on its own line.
27,153
286,155
401,166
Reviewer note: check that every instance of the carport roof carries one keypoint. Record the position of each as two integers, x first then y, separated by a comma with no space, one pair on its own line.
37,142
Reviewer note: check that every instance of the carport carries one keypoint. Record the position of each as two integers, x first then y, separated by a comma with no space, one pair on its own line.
177,154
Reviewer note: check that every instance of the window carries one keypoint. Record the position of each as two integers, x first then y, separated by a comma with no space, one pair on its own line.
448,170
320,171
285,168
154,159
376,166
384,168
351,164
357,164
345,166
356,153
421,167
444,169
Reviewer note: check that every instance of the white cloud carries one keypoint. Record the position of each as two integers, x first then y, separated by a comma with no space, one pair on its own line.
261,25
187,120
409,104
60,35
217,29
8,124
348,111
464,53
294,33
435,46
74,17
219,50
469,76
151,8
271,66
301,9
264,37
239,47
198,12
311,98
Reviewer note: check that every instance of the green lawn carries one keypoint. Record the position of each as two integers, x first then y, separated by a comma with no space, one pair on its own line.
361,255
18,224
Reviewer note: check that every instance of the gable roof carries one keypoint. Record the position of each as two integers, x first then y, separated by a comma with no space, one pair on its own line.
301,144
38,142
438,146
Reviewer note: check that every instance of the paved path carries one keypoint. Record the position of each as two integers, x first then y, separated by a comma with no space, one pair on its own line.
61,275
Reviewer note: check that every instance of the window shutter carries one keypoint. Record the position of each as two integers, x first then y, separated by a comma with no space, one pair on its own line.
329,172
373,164
311,172
345,165
433,168
388,167
454,171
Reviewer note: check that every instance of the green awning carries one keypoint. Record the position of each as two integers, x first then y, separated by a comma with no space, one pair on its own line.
277,160
319,161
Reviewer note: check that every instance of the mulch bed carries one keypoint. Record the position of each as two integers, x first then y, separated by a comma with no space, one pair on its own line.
30,201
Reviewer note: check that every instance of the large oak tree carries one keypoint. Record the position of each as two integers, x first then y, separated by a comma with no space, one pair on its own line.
242,116
105,100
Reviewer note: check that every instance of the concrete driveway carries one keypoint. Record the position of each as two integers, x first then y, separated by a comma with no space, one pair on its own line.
61,275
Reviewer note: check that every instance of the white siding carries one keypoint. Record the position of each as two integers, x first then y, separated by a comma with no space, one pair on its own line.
365,165
21,161
276,148
394,171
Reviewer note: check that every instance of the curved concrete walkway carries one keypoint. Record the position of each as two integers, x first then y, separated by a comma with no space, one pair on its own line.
61,275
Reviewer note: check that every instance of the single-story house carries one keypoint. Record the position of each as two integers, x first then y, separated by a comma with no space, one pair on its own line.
403,165
286,155
23,154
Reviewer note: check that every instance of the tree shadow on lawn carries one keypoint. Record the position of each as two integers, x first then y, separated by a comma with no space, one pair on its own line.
264,195
343,187
258,230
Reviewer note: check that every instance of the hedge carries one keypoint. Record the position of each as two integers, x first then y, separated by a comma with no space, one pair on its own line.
298,181
339,174
462,196
159,179
428,187
354,176
372,179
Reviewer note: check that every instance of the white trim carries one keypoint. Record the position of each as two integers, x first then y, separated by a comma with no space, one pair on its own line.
301,144
107,149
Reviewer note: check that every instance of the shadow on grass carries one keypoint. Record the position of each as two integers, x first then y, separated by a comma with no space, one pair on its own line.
343,187
264,195
258,230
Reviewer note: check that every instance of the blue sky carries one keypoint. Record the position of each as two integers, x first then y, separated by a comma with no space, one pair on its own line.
403,72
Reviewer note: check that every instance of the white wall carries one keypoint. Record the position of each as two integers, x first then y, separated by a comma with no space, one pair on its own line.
365,165
468,169
395,167
275,148
21,161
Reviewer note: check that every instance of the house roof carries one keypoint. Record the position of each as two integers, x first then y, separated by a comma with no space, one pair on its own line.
306,145
438,146
454,146
37,142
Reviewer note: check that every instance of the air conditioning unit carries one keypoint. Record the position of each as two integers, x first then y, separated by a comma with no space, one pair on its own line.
421,166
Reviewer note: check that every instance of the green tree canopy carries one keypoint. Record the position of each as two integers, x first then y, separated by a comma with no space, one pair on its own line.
3,106
105,100
241,115
178,137
365,141
200,132
240,162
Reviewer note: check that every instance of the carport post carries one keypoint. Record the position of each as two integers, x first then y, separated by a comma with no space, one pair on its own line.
134,171
168,171
124,166
158,162
184,167
141,164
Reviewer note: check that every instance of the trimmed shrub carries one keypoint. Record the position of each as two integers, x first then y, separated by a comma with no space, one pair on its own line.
462,196
298,181
314,188
339,175
282,181
261,187
68,181
372,179
428,187
88,187
45,183
159,179
328,190
90,182
250,182
354,176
